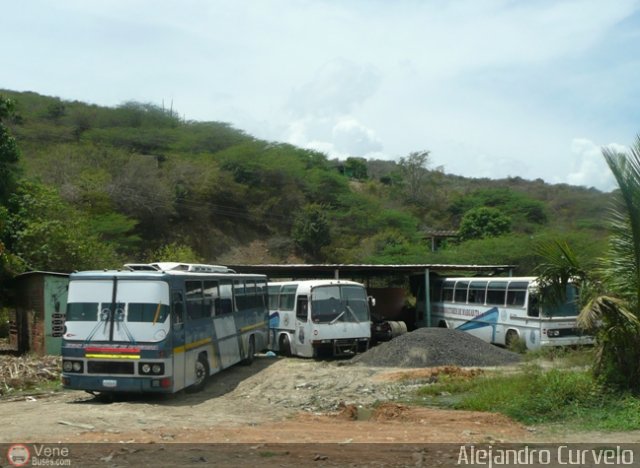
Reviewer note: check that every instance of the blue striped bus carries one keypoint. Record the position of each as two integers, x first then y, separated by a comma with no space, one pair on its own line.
160,327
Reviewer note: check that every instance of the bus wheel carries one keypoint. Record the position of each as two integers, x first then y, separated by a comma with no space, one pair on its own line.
250,352
202,372
285,346
511,338
442,324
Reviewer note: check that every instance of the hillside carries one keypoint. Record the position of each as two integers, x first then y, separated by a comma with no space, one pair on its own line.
99,186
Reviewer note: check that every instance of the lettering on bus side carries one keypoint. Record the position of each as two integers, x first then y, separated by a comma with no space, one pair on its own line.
456,311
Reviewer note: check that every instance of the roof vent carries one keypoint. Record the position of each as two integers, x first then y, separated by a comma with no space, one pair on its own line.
140,267
192,267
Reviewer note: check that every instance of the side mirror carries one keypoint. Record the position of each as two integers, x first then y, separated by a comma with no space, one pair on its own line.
372,301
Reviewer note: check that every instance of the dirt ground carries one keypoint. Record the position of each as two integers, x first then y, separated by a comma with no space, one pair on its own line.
279,412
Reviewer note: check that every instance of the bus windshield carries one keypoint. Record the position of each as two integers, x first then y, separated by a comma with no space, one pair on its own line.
339,303
568,309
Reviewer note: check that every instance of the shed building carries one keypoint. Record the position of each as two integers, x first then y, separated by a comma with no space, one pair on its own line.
37,318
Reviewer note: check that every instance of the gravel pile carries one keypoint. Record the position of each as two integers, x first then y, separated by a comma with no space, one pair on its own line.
430,347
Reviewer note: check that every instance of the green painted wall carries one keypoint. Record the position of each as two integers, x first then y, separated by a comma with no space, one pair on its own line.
55,306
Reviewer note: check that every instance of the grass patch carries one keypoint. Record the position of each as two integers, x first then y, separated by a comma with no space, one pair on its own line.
535,396
563,356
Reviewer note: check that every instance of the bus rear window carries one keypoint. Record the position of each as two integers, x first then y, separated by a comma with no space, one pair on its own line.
82,311
152,313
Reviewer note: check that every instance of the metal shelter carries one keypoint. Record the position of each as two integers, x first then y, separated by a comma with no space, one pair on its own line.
369,271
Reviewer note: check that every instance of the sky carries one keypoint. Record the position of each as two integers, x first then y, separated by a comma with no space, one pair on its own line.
491,88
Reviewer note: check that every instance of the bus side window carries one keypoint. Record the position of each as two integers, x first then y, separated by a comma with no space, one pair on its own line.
195,306
496,292
211,298
274,297
533,308
477,290
240,295
447,291
302,308
261,290
177,309
460,294
517,293
225,302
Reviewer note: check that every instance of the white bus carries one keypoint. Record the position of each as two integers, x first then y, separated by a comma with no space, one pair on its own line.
316,318
160,327
501,310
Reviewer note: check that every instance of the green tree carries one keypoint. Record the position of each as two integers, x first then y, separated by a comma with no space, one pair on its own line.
414,173
9,153
356,168
513,203
45,233
311,230
174,252
483,222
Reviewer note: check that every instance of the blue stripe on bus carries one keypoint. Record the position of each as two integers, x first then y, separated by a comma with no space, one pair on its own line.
487,319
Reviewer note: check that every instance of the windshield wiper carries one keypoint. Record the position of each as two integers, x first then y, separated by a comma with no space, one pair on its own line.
347,308
337,318
353,313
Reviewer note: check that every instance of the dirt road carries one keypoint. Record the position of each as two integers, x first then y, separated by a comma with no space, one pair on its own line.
274,401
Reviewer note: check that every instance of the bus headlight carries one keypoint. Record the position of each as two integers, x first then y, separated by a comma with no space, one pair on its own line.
77,366
147,368
67,366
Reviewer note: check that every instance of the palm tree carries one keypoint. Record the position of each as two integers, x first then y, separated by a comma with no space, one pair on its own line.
610,305
618,311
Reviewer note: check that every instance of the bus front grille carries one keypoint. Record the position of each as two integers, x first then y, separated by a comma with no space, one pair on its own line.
109,367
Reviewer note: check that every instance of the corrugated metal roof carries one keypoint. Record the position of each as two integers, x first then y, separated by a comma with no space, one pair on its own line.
366,270
50,273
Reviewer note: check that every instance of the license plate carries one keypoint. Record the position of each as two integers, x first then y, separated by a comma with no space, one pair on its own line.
109,383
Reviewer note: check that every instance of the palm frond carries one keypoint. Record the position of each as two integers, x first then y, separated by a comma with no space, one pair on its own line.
559,266
622,267
607,312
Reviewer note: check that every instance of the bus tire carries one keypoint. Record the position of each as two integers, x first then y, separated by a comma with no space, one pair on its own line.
284,345
251,351
511,338
442,324
202,373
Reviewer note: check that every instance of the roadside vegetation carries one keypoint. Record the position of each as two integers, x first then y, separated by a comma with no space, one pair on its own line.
539,395
604,394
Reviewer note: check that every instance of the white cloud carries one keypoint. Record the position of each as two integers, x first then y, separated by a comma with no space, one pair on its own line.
589,166
337,137
350,136
337,87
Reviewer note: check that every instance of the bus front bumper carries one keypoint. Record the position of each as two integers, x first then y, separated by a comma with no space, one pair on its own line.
117,384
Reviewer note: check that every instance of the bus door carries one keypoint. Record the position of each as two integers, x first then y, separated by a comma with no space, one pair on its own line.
302,330
178,344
